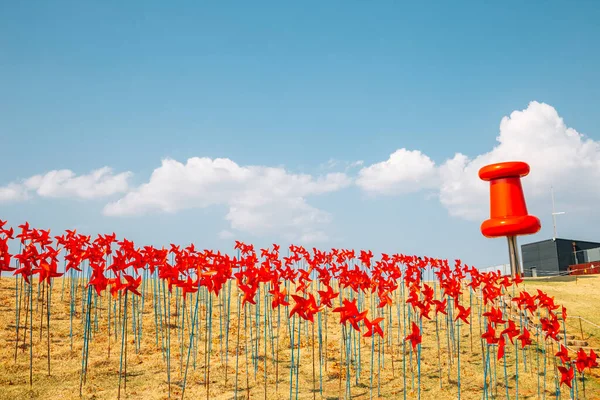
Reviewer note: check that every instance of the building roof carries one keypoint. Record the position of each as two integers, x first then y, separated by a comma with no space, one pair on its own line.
562,240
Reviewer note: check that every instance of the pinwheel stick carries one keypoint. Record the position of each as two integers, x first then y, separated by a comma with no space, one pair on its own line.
167,305
108,325
30,334
313,363
371,361
516,369
228,313
246,347
277,354
437,335
265,332
48,321
191,343
237,345
298,355
123,347
458,357
210,304
292,363
583,384
41,298
19,296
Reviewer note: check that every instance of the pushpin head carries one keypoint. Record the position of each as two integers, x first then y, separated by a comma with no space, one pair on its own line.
508,211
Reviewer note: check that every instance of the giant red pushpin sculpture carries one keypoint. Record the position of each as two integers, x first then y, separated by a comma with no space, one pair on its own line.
508,211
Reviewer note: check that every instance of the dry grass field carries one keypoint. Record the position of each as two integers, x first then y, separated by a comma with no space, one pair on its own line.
147,369
581,296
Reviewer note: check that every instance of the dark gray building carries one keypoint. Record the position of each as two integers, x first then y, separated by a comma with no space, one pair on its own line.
553,256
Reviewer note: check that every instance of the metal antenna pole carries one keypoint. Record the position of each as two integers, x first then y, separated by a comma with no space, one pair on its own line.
554,213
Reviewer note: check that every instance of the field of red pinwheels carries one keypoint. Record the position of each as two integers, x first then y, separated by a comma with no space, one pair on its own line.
103,318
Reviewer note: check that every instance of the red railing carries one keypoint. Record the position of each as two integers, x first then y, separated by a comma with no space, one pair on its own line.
585,268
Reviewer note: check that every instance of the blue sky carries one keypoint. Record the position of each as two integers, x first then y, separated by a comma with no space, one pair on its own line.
86,85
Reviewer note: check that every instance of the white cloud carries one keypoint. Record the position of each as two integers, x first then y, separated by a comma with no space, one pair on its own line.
12,193
332,163
65,183
273,201
558,156
404,171
261,200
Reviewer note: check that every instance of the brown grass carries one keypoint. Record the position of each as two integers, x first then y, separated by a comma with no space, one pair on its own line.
147,376
581,296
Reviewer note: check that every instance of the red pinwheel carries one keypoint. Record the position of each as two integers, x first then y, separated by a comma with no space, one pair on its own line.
440,306
249,293
511,331
524,337
48,266
116,285
98,280
415,336
28,259
413,298
349,312
306,308
591,360
5,256
490,335
563,354
278,298
517,279
501,344
189,286
373,326
463,313
425,308
384,300
427,292
326,296
525,301
132,284
494,315
582,361
365,257
546,301
566,375
550,326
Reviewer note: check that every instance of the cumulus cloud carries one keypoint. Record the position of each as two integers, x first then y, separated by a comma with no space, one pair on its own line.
65,183
260,200
558,155
404,171
265,200
12,192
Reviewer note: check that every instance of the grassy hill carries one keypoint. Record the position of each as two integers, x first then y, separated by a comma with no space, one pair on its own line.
147,366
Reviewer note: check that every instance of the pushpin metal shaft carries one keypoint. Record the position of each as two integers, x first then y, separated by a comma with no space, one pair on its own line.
513,256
